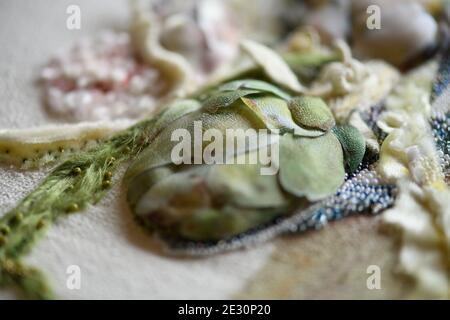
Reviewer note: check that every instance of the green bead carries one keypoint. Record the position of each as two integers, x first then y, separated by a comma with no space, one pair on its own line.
41,224
73,207
106,184
17,218
4,229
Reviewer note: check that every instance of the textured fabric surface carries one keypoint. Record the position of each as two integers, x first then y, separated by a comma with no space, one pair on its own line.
333,263
117,259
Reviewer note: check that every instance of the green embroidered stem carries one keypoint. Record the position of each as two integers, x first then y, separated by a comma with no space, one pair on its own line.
83,179
31,281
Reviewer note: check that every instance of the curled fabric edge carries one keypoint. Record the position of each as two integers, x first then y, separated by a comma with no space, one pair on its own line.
37,147
144,32
410,158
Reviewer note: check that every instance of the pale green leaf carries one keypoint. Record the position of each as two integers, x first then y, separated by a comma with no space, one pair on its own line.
273,65
311,167
245,186
224,99
251,84
311,112
275,114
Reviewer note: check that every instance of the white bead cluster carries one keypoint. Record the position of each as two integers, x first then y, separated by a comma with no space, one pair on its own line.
101,79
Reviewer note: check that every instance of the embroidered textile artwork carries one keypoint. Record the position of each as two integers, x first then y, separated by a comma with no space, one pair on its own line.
350,127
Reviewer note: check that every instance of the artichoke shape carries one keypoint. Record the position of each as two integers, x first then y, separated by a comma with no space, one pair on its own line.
200,201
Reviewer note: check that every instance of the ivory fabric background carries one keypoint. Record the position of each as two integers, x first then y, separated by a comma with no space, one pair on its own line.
117,258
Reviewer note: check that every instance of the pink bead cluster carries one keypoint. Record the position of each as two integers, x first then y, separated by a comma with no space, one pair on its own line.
101,79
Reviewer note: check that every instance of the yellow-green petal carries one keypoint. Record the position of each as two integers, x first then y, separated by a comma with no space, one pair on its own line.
251,84
311,167
311,112
243,185
275,114
224,99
